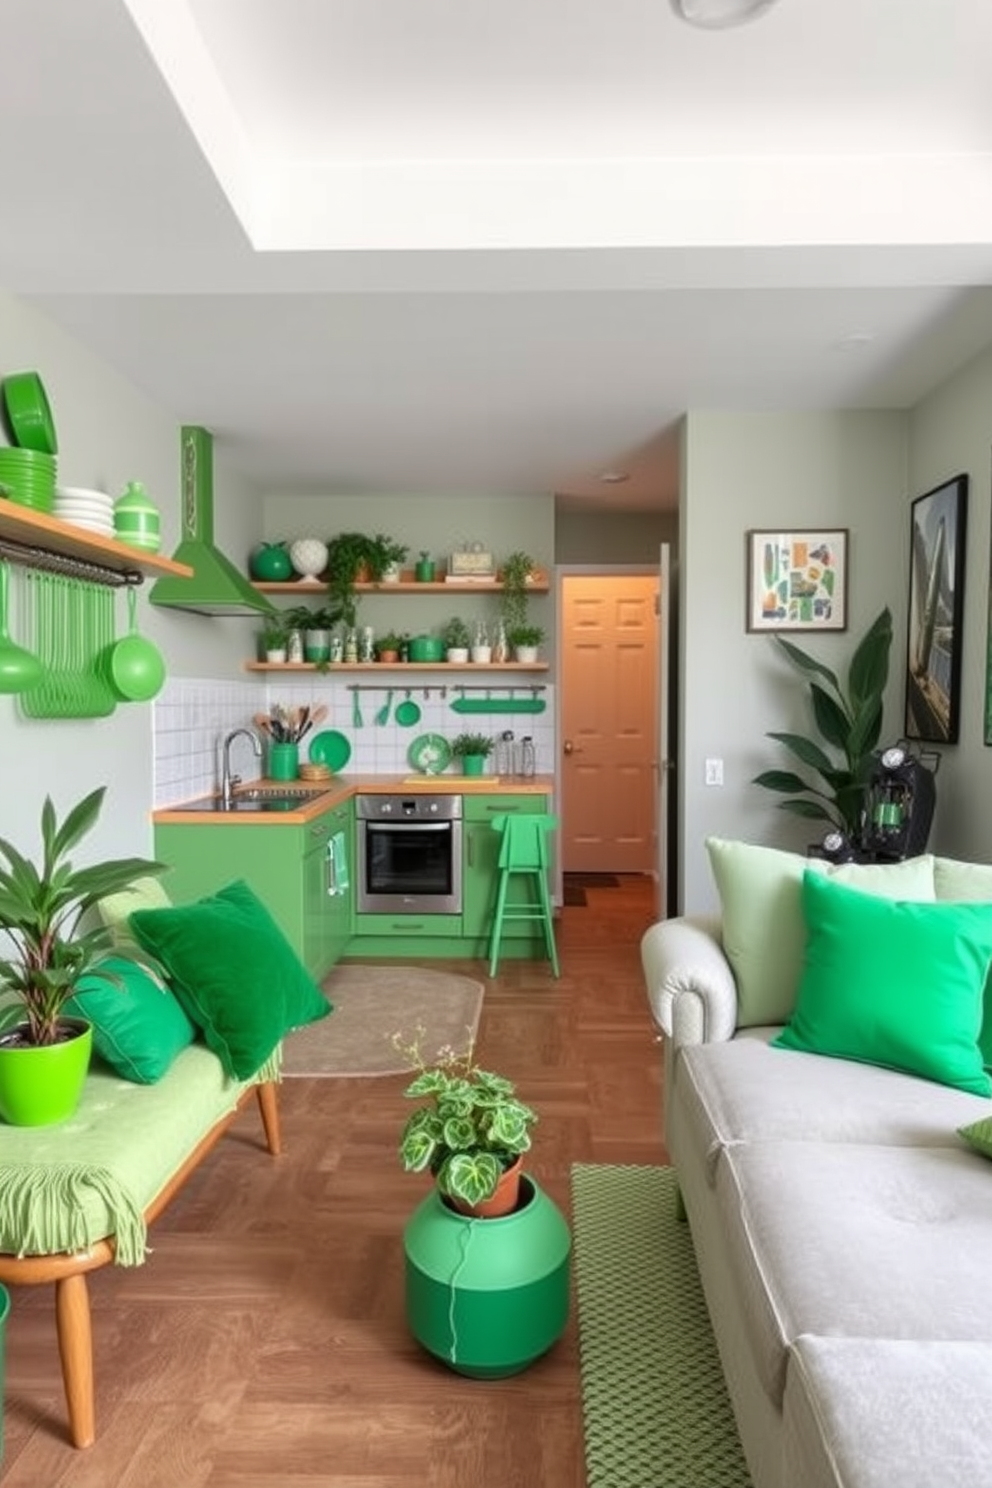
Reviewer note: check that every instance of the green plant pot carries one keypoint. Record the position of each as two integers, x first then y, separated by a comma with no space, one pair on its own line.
488,1296
425,570
473,764
39,1086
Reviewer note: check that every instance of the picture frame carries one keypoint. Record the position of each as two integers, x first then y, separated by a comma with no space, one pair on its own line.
935,629
797,579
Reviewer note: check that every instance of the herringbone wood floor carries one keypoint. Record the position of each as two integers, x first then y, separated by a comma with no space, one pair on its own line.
264,1342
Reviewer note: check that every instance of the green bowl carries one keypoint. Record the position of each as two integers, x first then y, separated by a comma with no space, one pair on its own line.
29,412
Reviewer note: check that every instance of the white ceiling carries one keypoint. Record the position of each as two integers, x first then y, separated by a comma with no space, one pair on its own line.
446,244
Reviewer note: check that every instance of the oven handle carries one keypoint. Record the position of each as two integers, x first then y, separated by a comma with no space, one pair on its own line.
444,826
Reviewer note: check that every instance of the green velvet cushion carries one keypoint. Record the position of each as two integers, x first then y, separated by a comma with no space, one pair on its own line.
235,973
138,1026
893,983
762,927
978,1135
969,883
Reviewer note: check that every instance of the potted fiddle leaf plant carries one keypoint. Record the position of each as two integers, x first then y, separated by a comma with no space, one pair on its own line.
44,954
473,750
470,1133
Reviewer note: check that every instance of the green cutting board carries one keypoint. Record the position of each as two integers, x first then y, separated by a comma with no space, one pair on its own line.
499,705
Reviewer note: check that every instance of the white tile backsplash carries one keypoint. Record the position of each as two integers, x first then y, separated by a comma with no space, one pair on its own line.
193,715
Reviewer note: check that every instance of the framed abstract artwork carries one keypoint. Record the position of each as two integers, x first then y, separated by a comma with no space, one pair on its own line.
936,609
797,580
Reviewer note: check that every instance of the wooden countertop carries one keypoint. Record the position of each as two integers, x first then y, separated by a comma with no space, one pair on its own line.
342,787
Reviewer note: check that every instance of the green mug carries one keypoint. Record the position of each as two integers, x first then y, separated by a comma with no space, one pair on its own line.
284,761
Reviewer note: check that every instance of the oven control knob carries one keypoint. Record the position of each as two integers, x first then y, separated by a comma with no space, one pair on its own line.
432,806
386,808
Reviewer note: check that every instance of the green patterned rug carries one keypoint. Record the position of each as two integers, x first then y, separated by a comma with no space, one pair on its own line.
657,1414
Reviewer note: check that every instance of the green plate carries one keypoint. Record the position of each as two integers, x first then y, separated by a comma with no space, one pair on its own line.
408,713
430,754
331,749
29,412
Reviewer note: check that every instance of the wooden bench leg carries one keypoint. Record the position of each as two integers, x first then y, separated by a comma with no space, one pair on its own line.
269,1108
72,1317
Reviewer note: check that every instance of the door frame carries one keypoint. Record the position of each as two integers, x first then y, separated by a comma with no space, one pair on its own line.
588,571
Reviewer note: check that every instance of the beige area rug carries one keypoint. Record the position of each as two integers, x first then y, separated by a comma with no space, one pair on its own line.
371,1003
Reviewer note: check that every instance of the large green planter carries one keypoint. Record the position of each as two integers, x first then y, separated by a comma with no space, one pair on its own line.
488,1296
39,1086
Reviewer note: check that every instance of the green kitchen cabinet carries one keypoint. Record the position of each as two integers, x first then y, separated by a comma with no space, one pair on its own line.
479,864
294,869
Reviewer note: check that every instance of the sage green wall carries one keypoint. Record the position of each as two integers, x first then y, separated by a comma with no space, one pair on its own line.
950,433
613,537
782,471
109,433
438,524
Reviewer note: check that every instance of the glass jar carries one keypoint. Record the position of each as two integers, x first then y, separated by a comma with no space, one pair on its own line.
528,758
503,754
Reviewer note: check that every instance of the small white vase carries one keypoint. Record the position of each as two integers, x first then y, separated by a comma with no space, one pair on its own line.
276,654
482,654
525,653
458,654
391,575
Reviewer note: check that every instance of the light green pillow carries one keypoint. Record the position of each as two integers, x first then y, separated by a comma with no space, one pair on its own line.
763,929
115,910
969,883
235,973
978,1135
138,1025
893,983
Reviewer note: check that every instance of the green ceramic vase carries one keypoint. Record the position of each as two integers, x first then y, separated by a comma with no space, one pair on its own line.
42,1085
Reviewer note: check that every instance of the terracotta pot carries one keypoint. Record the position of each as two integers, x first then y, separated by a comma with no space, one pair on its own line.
503,1201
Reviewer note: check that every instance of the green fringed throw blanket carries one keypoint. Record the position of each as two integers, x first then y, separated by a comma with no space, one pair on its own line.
66,1186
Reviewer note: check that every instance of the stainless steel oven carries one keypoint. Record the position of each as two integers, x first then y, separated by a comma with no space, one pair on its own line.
409,854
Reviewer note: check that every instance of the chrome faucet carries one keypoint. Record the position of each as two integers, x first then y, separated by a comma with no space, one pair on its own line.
227,780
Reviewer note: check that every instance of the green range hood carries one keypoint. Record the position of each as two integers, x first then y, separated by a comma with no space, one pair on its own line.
216,588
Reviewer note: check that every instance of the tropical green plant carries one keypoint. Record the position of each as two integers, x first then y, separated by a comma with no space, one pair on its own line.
473,744
472,1128
525,635
40,912
849,720
391,641
384,552
304,617
455,634
274,631
515,571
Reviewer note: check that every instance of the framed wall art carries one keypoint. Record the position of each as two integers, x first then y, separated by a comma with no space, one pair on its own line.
797,580
936,609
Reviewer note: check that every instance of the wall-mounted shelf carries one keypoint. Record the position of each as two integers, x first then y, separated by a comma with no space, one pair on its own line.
406,585
31,529
480,669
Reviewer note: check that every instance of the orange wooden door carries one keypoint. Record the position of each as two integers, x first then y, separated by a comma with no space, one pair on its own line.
609,723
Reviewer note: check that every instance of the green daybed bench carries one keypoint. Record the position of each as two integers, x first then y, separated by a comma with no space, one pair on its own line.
81,1194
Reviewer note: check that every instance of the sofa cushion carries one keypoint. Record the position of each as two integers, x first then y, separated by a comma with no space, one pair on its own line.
235,973
763,929
745,1091
855,1241
138,1024
978,1135
893,983
867,1412
969,883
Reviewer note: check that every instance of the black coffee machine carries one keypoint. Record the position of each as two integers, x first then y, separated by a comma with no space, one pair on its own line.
900,796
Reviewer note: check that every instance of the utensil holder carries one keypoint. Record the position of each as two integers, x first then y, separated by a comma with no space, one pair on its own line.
284,761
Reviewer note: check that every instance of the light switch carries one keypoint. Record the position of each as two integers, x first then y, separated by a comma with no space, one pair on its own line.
713,772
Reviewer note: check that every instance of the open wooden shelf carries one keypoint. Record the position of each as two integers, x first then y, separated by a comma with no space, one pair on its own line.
479,668
20,524
406,585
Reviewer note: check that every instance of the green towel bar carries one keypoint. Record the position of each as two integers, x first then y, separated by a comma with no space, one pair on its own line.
499,705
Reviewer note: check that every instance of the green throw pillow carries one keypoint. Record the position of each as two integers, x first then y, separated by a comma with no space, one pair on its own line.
893,983
762,926
235,973
979,1135
115,910
138,1026
969,883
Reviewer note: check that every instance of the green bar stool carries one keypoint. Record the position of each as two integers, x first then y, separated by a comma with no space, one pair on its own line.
523,852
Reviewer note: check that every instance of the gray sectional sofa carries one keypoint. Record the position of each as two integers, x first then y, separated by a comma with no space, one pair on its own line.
842,1224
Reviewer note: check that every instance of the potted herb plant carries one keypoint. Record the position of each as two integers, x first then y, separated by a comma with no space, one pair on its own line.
386,559
274,637
516,573
470,1134
849,720
387,647
525,640
45,956
473,750
456,639
314,627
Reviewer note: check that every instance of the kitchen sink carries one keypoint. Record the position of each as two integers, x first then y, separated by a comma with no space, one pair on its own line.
289,798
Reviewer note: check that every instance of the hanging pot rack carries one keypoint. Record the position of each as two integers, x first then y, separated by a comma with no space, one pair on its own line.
62,563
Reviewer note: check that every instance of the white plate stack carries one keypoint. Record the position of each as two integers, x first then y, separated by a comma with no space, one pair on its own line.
93,510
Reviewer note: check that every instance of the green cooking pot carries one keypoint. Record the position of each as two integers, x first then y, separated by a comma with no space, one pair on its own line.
426,648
